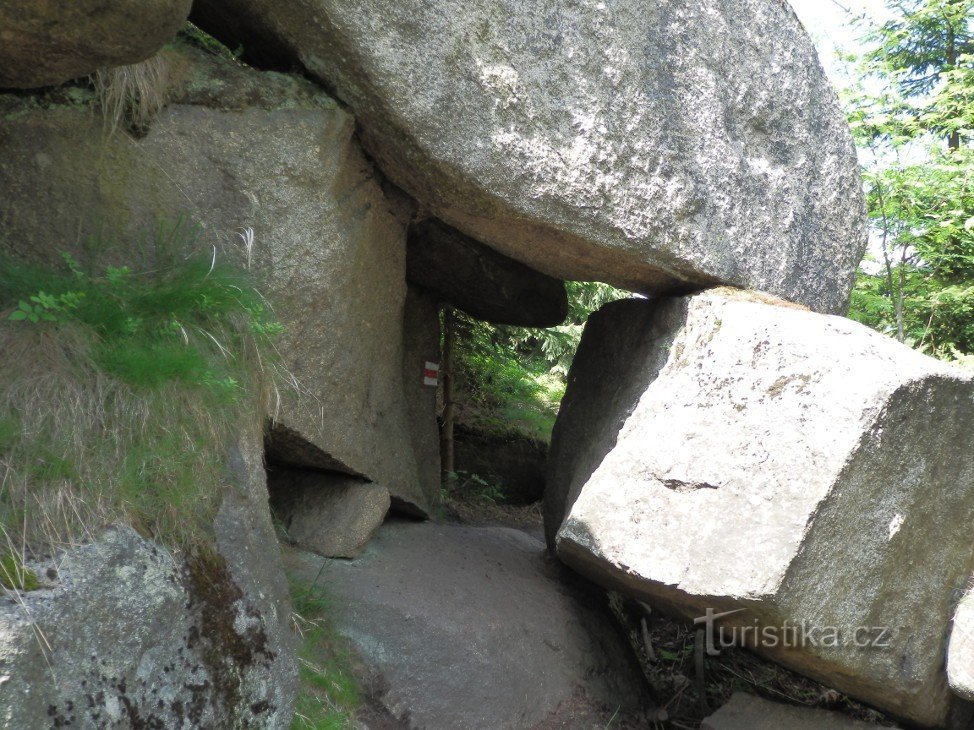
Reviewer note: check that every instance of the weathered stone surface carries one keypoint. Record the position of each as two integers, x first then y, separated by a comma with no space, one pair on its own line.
653,145
122,633
42,43
795,467
421,345
331,248
492,636
331,514
747,712
960,649
483,283
610,369
514,466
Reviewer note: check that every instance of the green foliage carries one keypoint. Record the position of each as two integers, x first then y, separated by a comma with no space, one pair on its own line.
511,379
469,487
122,396
924,55
152,328
922,289
14,575
918,284
498,390
329,696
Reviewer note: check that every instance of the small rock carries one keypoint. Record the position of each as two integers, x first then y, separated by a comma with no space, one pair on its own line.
331,514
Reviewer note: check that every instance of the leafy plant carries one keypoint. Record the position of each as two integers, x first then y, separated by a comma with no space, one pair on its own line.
42,307
470,486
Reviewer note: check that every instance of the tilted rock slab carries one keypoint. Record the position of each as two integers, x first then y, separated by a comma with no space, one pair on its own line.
798,467
43,43
331,514
649,144
960,650
124,633
259,150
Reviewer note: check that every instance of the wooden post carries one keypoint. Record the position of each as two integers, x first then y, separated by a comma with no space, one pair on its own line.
446,430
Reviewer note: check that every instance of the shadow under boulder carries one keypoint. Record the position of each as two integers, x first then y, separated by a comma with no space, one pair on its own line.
483,283
513,468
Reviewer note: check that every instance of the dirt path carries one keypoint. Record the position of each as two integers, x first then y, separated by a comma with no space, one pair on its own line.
476,627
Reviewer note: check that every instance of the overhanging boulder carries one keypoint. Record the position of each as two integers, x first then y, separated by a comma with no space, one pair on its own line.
797,469
655,145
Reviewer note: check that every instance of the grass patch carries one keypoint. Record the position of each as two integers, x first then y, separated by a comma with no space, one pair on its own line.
123,391
329,697
15,575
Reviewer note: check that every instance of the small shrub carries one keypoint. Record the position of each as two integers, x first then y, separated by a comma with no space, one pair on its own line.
470,487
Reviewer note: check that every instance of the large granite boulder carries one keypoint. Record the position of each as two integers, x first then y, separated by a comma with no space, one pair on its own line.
123,633
272,153
328,513
796,469
483,283
46,43
474,627
655,145
595,405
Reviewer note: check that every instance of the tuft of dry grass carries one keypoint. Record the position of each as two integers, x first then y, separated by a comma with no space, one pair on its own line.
132,96
124,409
82,449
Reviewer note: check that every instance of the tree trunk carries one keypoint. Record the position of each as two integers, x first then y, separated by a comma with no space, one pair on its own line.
446,430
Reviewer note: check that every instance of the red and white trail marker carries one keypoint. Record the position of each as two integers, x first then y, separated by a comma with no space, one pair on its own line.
431,373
